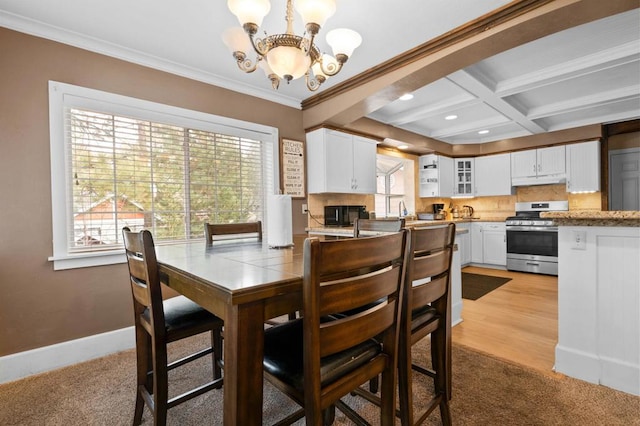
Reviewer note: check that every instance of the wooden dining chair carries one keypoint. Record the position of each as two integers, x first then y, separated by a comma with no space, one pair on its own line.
426,311
158,323
214,231
376,226
319,358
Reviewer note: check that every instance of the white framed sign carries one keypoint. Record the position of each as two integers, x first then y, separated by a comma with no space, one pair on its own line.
292,166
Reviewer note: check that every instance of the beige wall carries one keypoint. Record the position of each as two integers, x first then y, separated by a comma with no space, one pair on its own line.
40,307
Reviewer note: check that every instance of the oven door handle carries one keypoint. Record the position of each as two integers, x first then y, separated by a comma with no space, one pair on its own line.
533,228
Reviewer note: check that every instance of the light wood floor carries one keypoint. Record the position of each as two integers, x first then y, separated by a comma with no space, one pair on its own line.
517,322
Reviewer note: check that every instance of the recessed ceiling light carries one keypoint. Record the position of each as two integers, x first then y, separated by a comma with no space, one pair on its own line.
406,97
483,132
451,117
403,146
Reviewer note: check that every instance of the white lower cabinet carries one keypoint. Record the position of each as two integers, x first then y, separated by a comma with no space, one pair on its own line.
489,243
464,243
494,244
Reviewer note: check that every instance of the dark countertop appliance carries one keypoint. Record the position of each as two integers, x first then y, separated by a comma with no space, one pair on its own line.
344,215
532,242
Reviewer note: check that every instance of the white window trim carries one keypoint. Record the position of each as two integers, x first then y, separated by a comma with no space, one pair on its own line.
62,95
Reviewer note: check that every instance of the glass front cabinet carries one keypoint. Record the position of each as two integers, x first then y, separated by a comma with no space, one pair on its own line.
463,169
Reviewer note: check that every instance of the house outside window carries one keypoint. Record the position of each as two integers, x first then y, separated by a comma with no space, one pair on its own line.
119,161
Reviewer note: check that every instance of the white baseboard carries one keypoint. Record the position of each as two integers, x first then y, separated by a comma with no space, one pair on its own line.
456,313
24,364
613,373
578,364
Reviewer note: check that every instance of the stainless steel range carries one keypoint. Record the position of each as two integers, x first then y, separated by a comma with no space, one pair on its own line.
532,242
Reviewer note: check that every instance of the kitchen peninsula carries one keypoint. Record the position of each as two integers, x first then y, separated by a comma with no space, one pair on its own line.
599,297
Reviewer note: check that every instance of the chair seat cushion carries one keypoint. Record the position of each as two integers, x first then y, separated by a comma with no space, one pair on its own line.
283,356
422,316
181,313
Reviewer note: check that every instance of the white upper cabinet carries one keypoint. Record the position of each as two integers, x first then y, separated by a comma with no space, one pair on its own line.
538,166
493,175
463,177
435,176
583,167
340,162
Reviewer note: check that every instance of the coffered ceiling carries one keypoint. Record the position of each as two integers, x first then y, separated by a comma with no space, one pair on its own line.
583,75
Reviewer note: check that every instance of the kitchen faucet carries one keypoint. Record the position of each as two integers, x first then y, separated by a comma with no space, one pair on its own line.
402,209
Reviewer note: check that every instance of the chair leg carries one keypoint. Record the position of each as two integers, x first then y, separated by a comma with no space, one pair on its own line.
216,344
440,355
160,384
329,415
387,398
405,392
374,384
137,416
143,378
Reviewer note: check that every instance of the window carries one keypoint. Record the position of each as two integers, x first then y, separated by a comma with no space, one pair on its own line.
119,161
395,185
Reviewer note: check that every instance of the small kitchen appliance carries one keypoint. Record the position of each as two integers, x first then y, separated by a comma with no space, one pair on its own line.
344,215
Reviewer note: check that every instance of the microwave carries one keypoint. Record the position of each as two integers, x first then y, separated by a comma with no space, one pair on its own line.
344,215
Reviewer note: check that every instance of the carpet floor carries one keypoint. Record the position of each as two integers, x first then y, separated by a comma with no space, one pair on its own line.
486,391
474,286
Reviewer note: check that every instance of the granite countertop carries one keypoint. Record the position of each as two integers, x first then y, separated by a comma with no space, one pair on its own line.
348,231
594,218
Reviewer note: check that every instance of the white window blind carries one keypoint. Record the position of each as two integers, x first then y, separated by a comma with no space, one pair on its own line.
169,173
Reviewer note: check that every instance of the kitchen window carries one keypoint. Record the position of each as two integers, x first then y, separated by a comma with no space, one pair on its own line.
118,161
395,186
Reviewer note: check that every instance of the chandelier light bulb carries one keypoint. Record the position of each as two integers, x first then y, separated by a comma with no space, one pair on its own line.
315,11
249,11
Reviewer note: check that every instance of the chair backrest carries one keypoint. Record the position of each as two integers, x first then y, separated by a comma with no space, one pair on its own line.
347,275
428,272
232,230
376,226
144,279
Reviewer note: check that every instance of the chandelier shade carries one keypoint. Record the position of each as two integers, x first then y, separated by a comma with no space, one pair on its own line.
252,11
288,61
289,56
315,11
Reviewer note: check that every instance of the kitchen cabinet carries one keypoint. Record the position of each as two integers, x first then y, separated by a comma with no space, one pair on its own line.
538,166
464,243
489,243
463,169
494,244
493,175
340,162
436,176
583,167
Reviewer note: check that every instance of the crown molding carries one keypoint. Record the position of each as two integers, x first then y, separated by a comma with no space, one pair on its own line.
71,38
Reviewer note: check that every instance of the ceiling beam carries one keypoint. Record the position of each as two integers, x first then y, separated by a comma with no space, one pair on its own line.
523,22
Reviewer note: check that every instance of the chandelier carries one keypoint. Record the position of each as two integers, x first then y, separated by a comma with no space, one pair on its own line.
289,56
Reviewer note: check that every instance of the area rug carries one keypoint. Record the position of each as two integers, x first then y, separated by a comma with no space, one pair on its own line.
474,286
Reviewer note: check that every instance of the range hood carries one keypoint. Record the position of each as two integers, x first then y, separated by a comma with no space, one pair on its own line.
539,180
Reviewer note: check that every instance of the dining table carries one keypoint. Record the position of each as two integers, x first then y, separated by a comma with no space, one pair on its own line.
245,282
